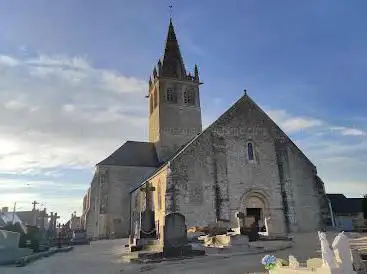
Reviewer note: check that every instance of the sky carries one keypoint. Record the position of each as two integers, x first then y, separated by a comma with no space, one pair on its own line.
73,80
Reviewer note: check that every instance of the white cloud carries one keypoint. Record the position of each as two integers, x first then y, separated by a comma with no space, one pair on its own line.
63,112
52,195
354,189
8,61
14,104
349,131
292,124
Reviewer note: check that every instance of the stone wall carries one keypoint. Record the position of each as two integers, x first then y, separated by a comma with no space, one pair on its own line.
190,184
120,181
110,206
158,182
306,197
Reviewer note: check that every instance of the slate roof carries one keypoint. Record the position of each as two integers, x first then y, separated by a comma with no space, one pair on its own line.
141,181
244,98
343,205
133,153
9,217
26,216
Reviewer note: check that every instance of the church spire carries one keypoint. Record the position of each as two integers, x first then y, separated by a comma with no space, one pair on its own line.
172,65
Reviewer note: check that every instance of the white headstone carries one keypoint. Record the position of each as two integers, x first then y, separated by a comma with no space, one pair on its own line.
343,253
267,225
237,229
327,255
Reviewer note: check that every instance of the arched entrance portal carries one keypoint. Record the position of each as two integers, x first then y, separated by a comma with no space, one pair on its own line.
255,207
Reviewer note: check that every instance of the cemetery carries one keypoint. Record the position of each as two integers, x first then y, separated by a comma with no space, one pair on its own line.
22,243
147,245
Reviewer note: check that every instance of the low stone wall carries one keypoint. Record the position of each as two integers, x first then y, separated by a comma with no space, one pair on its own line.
285,270
9,239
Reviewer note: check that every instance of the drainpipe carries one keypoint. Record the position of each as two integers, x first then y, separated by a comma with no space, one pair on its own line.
332,214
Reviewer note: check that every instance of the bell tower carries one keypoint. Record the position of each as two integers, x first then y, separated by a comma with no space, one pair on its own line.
174,101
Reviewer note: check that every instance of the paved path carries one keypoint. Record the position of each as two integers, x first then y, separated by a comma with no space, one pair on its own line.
105,257
99,257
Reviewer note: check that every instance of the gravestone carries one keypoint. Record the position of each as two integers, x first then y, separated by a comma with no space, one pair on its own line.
237,229
175,235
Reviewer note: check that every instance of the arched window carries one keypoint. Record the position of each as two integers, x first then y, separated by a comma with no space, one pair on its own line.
151,103
189,96
171,95
159,194
155,99
250,151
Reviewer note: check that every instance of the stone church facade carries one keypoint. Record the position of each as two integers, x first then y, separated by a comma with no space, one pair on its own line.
242,163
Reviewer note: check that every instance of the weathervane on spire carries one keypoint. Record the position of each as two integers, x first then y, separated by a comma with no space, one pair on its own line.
170,9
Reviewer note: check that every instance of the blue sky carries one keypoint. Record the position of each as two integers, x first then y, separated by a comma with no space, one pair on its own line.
73,80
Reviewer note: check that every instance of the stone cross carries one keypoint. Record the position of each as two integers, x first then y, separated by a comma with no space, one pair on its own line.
147,188
34,205
55,219
50,223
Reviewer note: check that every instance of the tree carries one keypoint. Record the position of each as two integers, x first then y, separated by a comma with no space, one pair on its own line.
364,206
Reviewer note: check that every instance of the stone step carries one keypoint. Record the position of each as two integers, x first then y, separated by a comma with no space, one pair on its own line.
154,242
152,247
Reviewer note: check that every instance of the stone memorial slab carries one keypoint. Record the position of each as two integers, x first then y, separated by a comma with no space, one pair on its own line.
175,234
147,229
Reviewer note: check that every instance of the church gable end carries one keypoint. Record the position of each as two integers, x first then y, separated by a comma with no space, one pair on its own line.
221,165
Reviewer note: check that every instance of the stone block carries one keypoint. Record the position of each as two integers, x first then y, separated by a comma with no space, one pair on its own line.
219,241
314,263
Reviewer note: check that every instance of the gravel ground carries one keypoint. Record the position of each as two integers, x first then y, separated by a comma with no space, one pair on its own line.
104,257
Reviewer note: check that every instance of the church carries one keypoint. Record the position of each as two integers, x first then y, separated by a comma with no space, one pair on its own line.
242,164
